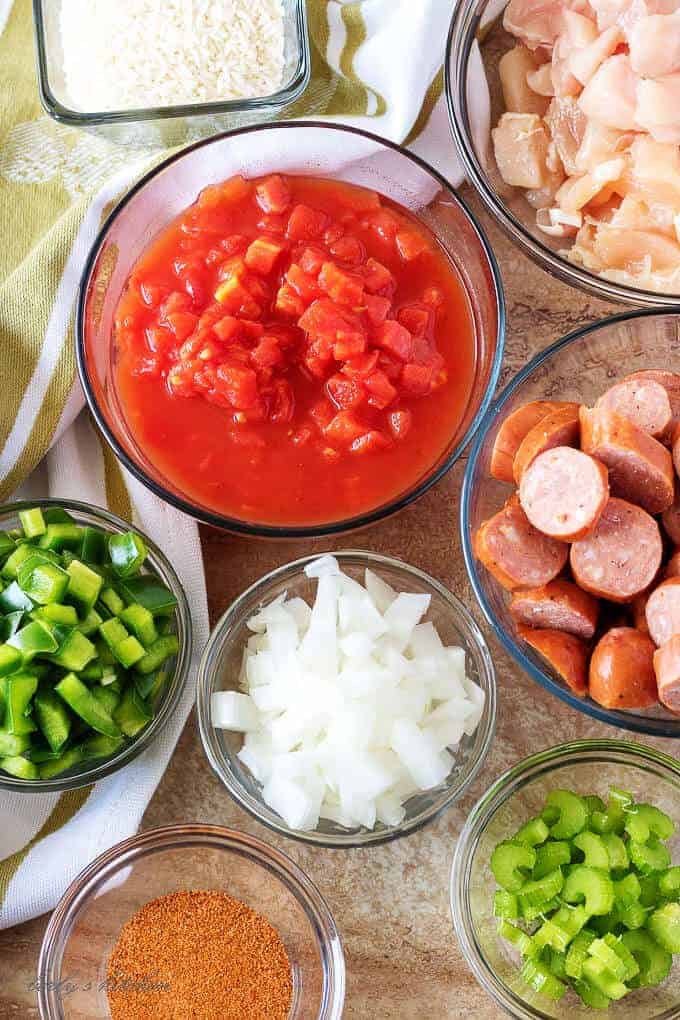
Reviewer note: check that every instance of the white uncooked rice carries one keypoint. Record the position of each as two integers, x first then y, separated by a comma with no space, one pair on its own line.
128,54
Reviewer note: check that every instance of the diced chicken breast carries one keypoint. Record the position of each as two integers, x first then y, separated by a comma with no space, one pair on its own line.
535,22
540,80
658,107
521,145
599,144
610,96
654,43
563,81
655,171
609,12
566,123
624,248
577,192
514,68
584,62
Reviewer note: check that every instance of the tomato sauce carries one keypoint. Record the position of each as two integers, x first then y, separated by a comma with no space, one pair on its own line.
293,350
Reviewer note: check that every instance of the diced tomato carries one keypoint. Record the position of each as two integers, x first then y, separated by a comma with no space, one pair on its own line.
227,328
390,366
182,324
301,437
306,223
151,294
159,340
177,301
212,314
400,423
384,223
395,339
357,199
349,250
181,378
317,366
234,295
433,296
411,244
340,286
262,255
267,354
344,428
362,365
252,330
381,392
311,260
194,285
233,267
238,385
321,413
344,392
258,289
233,244
325,319
376,308
348,345
284,402
304,284
417,319
288,302
416,380
370,442
377,278
273,194
273,224
333,234
149,367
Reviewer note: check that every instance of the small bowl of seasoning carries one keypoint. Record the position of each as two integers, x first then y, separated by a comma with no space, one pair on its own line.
192,920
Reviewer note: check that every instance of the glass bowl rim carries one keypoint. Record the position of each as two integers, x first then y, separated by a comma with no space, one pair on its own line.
369,838
459,43
288,93
111,765
650,725
234,525
150,841
550,760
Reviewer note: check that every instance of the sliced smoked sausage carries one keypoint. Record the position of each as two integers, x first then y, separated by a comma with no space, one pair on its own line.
670,518
640,468
670,382
621,671
663,611
567,655
559,605
511,433
638,611
559,428
667,669
516,553
645,402
621,556
563,492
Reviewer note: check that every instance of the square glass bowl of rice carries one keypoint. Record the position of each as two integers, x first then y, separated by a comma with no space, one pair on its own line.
152,73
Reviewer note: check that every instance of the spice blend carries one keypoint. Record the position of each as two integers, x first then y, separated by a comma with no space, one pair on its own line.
199,954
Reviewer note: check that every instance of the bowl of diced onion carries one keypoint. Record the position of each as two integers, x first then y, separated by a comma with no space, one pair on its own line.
346,700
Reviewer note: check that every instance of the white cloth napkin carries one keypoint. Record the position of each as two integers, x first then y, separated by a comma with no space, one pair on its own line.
47,839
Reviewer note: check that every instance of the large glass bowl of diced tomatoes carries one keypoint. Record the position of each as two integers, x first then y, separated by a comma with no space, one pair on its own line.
290,330
95,644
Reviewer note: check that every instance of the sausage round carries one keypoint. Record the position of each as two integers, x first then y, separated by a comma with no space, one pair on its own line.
676,449
559,605
667,669
620,558
563,492
663,611
645,402
516,553
670,382
511,433
670,518
566,654
559,428
621,673
640,468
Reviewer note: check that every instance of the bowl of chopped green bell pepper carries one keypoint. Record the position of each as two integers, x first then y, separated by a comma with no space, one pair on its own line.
565,886
95,644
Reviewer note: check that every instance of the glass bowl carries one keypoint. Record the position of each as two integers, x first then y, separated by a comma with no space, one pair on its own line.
178,667
170,125
578,367
314,149
86,922
587,766
476,42
220,667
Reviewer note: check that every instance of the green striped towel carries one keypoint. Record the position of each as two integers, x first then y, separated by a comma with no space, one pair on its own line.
377,63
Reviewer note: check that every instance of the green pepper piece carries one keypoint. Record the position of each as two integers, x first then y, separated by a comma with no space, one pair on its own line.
61,536
149,592
591,996
504,903
577,953
13,600
79,698
7,545
68,760
10,660
558,931
11,623
33,522
93,548
112,601
21,553
156,654
74,652
127,552
653,960
42,582
129,651
572,813
613,820
510,864
664,926
90,623
538,976
20,768
645,820
613,954
107,697
131,715
13,744
84,586
519,938
596,974
669,882
52,717
592,886
650,856
535,831
113,633
627,890
19,691
593,849
538,891
616,851
36,638
151,688
57,515
56,614
141,622
99,746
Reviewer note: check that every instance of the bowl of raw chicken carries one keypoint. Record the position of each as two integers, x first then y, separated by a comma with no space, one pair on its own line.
566,116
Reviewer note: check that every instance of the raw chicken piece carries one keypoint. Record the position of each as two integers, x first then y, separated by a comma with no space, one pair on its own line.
540,80
655,171
584,62
578,31
535,22
521,147
658,107
514,68
566,123
563,82
609,12
558,223
655,45
609,97
623,248
579,191
598,144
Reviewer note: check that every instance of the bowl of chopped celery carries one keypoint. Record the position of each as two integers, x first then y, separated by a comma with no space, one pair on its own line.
95,643
565,887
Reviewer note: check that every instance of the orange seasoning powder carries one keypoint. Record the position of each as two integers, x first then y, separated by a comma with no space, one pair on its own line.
202,955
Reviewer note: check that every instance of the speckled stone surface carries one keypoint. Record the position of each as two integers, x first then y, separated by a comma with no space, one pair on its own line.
390,903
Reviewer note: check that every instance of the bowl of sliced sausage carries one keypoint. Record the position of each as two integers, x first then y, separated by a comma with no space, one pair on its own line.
570,520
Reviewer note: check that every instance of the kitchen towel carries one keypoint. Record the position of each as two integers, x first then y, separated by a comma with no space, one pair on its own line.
375,63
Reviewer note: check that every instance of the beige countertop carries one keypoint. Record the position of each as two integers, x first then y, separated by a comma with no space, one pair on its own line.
390,903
